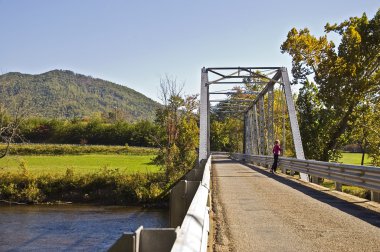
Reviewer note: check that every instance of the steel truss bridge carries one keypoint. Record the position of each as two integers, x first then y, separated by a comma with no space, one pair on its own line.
259,210
258,118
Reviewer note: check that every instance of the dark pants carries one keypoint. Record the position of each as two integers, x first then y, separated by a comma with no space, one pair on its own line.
274,166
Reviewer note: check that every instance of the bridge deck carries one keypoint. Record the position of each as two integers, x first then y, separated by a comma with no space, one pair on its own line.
258,211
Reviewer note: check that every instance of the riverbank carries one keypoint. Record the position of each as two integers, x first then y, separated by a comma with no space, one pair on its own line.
107,175
108,186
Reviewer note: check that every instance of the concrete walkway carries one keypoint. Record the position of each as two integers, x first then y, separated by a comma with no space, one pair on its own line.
258,211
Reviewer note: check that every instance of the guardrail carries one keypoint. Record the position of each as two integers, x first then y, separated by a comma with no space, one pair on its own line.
367,177
193,233
189,219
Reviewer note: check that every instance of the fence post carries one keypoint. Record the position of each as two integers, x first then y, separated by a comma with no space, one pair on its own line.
375,196
338,186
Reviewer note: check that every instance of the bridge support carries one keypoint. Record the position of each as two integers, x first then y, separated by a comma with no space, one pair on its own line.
293,120
204,120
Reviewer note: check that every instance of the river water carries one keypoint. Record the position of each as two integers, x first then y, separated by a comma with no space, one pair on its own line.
71,228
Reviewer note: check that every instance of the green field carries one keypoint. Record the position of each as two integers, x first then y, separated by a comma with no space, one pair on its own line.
80,164
354,158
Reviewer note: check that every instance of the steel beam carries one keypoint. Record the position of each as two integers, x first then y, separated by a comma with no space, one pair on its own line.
262,126
204,120
270,120
238,82
255,131
293,120
245,136
232,93
250,118
276,77
241,68
231,101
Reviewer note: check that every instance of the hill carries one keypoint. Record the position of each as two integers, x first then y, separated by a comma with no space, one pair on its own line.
65,94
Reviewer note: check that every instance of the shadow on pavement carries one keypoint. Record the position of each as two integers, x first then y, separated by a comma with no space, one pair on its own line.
365,214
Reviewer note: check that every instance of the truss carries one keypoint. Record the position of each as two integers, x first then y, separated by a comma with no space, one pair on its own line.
255,108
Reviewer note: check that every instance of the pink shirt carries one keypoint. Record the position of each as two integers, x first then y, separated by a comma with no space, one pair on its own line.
276,149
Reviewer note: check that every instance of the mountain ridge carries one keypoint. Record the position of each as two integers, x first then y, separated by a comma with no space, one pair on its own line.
65,94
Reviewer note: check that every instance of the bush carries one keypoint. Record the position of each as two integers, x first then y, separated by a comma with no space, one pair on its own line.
94,131
357,191
69,149
108,186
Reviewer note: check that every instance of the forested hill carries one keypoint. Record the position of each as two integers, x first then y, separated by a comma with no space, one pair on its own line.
64,94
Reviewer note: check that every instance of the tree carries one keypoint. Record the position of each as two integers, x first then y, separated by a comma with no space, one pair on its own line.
366,132
10,125
345,77
314,120
178,130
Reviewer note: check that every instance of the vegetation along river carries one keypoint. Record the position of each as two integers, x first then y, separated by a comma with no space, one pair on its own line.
71,228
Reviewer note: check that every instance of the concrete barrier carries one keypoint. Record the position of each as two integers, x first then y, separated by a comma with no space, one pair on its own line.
146,240
189,218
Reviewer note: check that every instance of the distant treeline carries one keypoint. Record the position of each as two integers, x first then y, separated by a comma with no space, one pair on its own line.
92,131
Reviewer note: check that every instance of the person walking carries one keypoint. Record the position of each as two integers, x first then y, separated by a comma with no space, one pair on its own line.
276,152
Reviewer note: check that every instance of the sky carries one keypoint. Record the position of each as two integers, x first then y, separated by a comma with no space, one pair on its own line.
137,43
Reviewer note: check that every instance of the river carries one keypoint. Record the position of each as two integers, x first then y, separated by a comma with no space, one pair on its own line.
70,227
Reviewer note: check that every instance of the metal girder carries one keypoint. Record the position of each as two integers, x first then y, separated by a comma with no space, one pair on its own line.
283,127
237,105
204,121
245,134
251,137
232,111
249,70
262,126
255,131
241,68
293,120
231,101
215,81
276,77
270,120
240,82
212,71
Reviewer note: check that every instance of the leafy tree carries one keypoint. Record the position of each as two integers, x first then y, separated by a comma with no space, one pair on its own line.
314,120
366,132
142,133
178,130
346,77
219,139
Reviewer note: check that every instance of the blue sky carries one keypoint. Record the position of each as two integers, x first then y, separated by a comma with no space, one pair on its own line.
135,43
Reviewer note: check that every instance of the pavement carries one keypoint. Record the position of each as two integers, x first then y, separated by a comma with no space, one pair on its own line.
258,211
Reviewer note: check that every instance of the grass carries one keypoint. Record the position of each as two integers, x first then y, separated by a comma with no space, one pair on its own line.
37,173
80,164
354,158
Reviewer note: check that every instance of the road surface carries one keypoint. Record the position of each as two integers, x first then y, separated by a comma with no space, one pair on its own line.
258,211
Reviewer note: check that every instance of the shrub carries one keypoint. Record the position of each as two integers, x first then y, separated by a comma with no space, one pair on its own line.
66,149
108,186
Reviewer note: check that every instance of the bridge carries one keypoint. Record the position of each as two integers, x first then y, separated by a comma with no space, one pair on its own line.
231,202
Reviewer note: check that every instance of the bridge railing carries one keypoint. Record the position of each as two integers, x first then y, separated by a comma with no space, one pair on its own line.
367,177
193,232
189,219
